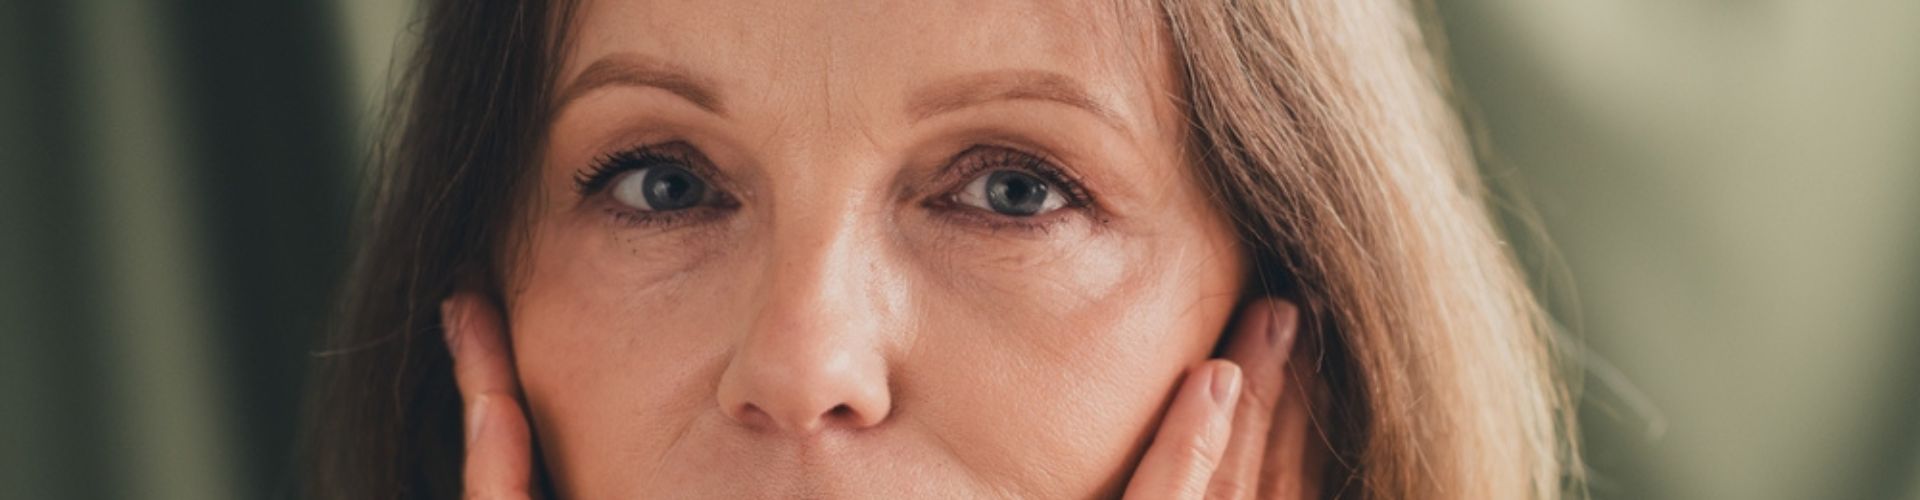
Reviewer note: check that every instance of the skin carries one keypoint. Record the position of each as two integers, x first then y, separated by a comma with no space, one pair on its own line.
840,326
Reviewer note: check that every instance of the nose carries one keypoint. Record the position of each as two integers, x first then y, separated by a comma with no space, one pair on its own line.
814,356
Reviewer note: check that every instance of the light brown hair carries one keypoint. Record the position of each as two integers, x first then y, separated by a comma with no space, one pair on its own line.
1322,127
1325,127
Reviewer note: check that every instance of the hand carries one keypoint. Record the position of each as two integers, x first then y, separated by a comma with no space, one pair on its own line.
499,463
1207,447
1219,441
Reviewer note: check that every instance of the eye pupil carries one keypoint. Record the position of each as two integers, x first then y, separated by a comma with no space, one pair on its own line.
672,188
1015,193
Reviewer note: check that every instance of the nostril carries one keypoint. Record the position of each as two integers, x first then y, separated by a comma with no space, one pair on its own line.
751,414
843,416
755,416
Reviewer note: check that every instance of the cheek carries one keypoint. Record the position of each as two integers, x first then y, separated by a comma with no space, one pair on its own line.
1045,362
610,342
1061,360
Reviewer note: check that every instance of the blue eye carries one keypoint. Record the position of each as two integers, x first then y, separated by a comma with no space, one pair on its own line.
660,188
1012,193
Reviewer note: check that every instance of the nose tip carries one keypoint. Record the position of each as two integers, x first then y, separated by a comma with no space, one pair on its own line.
813,353
804,394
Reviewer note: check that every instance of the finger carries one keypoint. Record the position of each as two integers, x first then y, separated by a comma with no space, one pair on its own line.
1298,456
1187,447
477,340
1260,344
499,451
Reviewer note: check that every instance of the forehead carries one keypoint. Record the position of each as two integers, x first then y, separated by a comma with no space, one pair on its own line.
1115,48
1071,30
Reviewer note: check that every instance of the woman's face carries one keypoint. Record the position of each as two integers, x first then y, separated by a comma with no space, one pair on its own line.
862,249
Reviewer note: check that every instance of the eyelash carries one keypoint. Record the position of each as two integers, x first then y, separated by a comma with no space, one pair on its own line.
963,166
981,159
595,179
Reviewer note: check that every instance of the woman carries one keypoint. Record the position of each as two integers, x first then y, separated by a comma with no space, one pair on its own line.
938,249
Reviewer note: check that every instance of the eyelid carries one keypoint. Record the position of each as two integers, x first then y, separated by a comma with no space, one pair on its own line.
598,174
1082,206
970,164
594,182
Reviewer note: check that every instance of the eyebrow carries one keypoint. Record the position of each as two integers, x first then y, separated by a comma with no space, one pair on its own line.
635,70
1007,85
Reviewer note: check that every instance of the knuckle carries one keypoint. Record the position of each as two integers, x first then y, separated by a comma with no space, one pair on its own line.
1200,452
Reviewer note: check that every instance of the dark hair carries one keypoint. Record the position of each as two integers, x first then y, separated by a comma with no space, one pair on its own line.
470,117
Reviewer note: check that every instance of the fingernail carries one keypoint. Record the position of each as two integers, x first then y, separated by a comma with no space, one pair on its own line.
1281,319
1226,383
475,417
448,330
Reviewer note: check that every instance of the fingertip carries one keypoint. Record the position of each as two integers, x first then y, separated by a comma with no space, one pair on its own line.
482,356
1188,447
473,325
1263,337
449,322
1283,319
1225,383
1271,320
476,417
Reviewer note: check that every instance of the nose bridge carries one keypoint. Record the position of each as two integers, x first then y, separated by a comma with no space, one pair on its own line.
824,251
814,355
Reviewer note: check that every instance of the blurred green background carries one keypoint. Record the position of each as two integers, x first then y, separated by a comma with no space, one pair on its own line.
1730,189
